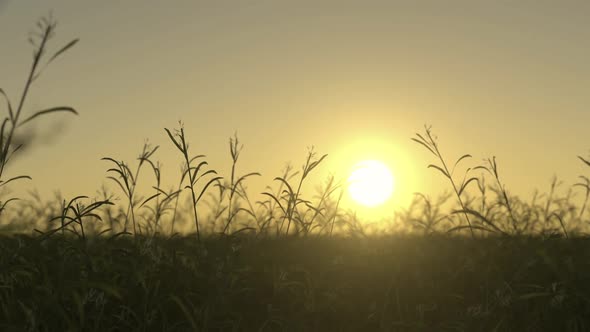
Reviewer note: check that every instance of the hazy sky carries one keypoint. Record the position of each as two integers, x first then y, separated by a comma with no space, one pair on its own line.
356,79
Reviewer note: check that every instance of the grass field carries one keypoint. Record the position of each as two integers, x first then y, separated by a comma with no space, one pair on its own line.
207,256
240,283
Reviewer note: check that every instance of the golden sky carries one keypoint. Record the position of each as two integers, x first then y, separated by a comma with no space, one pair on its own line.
356,79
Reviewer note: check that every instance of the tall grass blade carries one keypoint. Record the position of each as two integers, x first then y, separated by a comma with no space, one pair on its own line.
440,170
423,144
173,139
8,104
458,161
587,162
63,49
149,199
48,111
207,186
464,185
3,183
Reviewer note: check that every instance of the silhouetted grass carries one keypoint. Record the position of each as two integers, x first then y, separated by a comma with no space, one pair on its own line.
287,261
39,39
394,283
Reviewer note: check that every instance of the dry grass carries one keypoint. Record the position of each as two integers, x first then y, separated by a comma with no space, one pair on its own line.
489,262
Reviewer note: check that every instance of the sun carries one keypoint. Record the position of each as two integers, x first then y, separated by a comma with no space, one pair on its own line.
370,183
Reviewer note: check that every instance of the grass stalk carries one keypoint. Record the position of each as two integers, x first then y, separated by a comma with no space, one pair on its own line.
492,168
45,31
429,142
192,172
234,184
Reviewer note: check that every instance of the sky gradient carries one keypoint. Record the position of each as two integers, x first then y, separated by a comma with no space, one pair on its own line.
355,79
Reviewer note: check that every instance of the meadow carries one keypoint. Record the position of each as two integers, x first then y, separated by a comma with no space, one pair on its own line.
205,255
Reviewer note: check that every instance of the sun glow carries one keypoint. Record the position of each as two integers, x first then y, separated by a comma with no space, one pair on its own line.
370,183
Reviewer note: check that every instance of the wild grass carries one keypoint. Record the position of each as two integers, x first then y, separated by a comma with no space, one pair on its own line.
208,255
39,39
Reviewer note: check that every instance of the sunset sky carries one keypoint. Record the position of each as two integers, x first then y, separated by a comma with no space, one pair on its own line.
355,79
